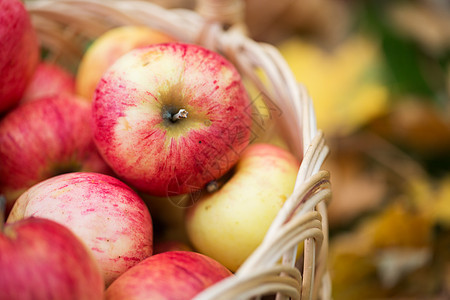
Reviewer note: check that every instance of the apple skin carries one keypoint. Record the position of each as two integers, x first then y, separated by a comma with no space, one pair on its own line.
137,96
230,223
173,275
43,138
41,259
107,215
19,52
49,79
107,48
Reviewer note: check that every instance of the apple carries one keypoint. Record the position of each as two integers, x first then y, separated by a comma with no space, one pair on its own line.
107,48
49,79
107,215
173,275
230,223
19,52
43,138
169,118
41,259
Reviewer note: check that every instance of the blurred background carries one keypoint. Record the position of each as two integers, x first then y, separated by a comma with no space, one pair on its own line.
378,72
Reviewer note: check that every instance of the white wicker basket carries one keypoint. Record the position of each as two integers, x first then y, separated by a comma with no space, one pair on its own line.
66,26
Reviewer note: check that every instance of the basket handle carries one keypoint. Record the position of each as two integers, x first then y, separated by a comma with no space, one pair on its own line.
227,12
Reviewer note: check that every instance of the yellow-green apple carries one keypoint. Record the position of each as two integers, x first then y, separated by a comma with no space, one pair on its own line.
107,48
19,52
49,79
107,215
44,138
230,223
169,118
41,259
173,275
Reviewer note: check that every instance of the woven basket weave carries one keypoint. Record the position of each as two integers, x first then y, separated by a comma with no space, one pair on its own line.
65,27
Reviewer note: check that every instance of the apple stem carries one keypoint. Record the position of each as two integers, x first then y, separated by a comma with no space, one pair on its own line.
2,212
212,186
181,114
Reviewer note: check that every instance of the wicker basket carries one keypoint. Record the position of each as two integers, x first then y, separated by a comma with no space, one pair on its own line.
65,27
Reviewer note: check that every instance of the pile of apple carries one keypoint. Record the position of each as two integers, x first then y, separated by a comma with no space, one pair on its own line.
89,161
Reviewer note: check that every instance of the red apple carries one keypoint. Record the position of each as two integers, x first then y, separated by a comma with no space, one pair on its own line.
108,216
41,259
19,52
49,79
170,275
169,118
44,138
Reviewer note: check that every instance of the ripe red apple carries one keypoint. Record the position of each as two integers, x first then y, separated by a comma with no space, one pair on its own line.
44,138
49,79
41,259
19,52
176,275
107,48
107,215
169,118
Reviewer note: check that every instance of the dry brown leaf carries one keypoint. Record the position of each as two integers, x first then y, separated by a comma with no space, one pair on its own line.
428,24
270,21
417,125
356,189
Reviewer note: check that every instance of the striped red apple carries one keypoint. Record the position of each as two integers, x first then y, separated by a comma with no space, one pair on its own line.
19,52
169,118
107,215
49,79
41,259
44,138
173,275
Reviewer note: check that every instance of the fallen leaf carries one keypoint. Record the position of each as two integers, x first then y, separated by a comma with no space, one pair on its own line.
345,83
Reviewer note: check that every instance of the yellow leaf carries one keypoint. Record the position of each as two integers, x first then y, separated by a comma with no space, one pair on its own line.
441,205
343,83
398,226
432,198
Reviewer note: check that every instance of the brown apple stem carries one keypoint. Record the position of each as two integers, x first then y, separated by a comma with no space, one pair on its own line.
212,186
181,114
2,212
215,185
